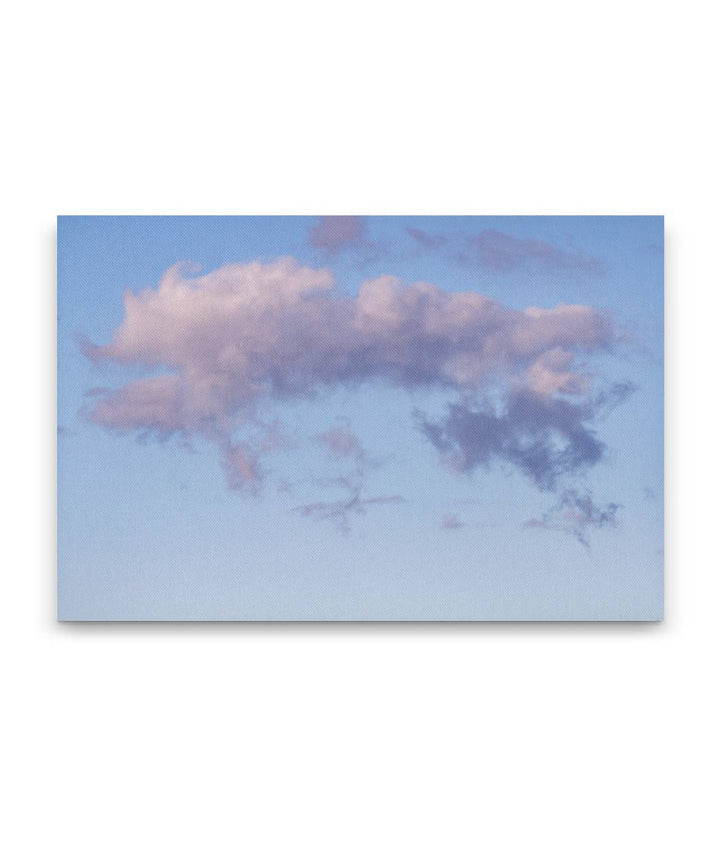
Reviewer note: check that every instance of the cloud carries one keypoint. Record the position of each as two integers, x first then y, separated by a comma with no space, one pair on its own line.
340,511
344,446
544,437
574,513
217,348
333,234
347,235
342,443
427,240
500,252
241,460
241,467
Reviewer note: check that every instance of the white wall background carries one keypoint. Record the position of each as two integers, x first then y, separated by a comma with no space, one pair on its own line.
359,739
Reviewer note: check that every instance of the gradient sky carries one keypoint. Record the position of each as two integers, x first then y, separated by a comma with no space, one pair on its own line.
334,448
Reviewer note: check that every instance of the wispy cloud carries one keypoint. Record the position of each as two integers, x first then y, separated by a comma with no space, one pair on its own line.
501,252
427,240
347,236
341,511
342,443
217,347
575,513
333,234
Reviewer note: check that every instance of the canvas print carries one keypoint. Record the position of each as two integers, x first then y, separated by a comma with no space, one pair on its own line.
346,418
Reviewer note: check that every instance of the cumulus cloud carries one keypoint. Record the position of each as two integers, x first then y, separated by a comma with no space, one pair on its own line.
575,513
216,348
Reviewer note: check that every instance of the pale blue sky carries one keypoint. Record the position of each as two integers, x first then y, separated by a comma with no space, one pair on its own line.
150,530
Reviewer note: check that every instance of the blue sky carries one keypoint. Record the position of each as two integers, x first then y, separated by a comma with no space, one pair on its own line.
333,482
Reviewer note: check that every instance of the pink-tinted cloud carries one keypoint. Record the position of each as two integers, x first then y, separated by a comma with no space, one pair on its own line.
451,521
342,442
575,513
332,234
216,347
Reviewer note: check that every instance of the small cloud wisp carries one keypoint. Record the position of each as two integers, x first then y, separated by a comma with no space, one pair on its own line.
575,513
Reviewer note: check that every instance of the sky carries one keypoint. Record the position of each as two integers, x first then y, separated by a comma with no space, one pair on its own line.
360,418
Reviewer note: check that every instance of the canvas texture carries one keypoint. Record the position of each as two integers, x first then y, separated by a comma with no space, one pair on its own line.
346,418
